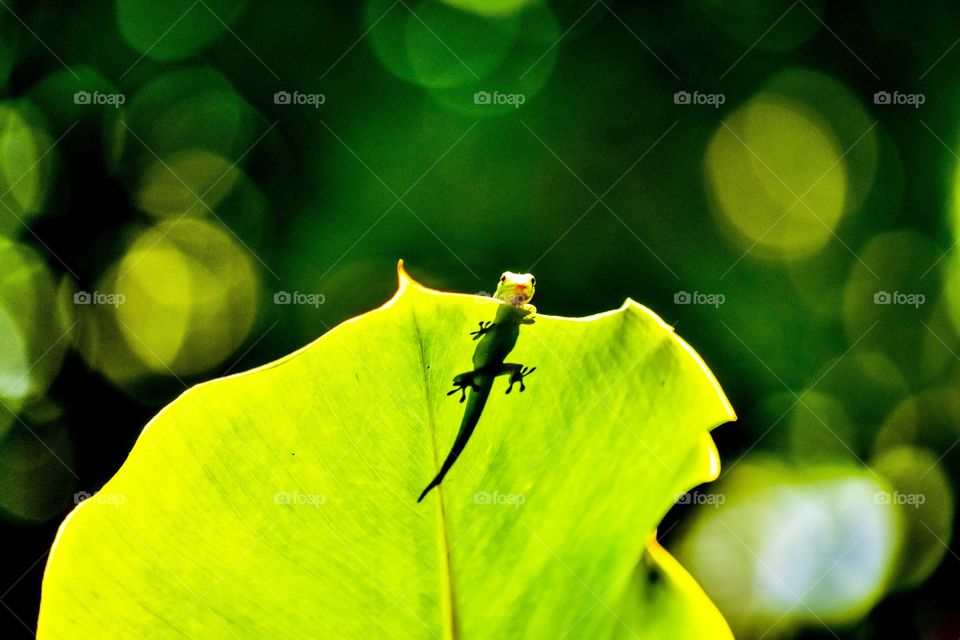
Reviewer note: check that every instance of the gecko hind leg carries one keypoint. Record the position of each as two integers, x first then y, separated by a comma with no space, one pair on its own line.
460,383
517,373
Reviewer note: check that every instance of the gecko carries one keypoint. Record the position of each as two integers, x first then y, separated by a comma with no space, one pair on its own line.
497,339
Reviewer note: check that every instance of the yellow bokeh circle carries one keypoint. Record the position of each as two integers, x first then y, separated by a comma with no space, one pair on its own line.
777,177
187,296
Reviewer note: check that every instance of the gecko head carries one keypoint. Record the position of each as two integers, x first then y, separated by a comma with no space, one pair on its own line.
515,288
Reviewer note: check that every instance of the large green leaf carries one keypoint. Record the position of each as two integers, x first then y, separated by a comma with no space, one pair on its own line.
281,502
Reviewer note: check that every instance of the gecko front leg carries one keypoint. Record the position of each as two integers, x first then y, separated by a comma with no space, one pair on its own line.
517,373
530,311
485,328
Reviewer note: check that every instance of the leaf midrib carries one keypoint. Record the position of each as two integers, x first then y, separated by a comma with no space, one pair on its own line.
443,535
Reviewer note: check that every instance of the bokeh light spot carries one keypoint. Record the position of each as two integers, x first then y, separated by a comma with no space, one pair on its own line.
522,74
888,296
777,177
24,167
869,385
820,428
80,98
15,362
951,264
491,8
174,29
195,108
853,127
435,44
189,182
189,296
923,493
448,47
928,419
480,61
768,25
34,332
100,342
793,546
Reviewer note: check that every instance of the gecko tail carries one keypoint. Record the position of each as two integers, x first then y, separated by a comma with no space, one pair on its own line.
471,416
427,490
437,480
448,463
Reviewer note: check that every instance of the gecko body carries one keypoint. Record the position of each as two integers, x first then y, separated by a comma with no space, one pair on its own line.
497,339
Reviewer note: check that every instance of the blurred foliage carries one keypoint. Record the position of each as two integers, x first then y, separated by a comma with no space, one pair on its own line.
763,174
